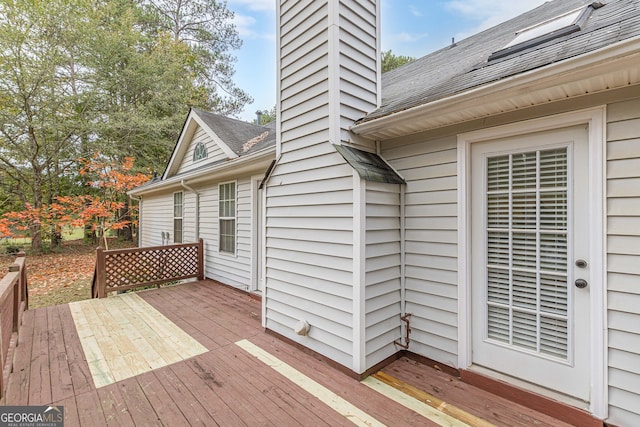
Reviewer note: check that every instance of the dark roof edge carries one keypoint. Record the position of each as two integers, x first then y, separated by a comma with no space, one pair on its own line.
370,166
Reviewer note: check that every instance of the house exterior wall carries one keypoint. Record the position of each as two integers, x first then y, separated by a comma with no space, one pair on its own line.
310,224
157,211
157,217
623,260
230,269
431,276
214,153
428,162
382,271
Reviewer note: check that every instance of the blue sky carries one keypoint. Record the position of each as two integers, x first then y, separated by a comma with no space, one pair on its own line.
409,27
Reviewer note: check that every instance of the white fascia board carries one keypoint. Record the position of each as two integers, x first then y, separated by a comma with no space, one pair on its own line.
609,59
224,147
181,145
233,167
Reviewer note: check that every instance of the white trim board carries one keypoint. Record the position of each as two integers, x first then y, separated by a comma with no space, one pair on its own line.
596,119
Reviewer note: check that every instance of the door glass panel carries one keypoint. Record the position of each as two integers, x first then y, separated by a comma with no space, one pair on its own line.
526,212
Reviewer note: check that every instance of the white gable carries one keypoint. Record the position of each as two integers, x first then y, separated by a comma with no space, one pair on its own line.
196,131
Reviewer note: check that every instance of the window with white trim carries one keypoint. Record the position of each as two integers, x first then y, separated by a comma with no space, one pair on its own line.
177,217
199,152
227,217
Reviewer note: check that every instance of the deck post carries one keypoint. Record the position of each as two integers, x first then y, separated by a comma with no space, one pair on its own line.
15,268
101,282
200,259
22,287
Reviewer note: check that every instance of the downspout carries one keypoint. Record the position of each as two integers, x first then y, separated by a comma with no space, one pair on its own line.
405,328
197,227
139,200
403,277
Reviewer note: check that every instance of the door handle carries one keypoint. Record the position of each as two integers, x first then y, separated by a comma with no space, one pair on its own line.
581,283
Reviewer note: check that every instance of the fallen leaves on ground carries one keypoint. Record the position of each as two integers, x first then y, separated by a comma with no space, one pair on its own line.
63,276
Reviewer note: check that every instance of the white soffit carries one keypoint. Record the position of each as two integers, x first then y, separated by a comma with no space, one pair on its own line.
617,67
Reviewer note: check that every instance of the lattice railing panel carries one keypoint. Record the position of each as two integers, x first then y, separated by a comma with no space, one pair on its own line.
133,268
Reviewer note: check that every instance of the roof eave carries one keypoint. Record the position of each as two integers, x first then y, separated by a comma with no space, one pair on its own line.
608,68
235,167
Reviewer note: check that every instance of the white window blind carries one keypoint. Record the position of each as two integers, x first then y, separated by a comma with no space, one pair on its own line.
526,242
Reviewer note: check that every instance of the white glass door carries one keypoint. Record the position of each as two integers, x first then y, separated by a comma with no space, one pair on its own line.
530,311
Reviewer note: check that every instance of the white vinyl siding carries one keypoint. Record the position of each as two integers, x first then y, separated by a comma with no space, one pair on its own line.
230,269
214,153
623,261
358,59
382,269
309,253
309,196
430,169
157,218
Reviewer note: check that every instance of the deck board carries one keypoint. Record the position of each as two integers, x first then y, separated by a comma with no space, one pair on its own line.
40,372
141,410
78,368
89,406
204,386
183,395
18,383
61,383
166,409
114,407
71,416
61,348
116,349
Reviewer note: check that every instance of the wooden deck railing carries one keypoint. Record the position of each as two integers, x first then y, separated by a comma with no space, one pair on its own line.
124,269
14,301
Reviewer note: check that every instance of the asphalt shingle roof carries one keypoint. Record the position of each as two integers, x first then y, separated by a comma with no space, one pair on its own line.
242,137
464,65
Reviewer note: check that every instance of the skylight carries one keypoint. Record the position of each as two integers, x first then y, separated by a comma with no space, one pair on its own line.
542,32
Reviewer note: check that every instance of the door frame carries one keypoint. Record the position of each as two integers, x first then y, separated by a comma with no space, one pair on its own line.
595,118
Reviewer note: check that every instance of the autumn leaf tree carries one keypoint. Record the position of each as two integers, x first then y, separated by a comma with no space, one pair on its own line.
106,207
109,208
117,77
39,114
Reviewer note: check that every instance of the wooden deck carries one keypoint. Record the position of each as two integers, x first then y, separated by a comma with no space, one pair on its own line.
207,361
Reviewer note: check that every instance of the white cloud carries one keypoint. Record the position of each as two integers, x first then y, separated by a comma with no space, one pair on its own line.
245,25
491,12
255,5
408,37
415,11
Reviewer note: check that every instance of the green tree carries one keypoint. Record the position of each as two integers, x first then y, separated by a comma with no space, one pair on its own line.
391,61
266,116
206,27
143,87
39,112
79,77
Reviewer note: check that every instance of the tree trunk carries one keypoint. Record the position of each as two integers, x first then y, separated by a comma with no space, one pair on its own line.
127,232
36,238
